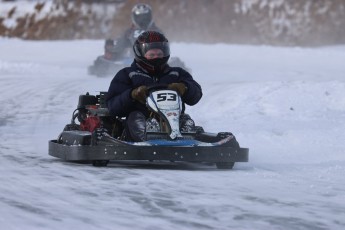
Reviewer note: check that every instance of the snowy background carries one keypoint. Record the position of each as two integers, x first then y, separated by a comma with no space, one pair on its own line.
273,22
286,104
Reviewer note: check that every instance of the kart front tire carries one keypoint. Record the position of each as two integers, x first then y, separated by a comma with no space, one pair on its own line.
100,163
225,165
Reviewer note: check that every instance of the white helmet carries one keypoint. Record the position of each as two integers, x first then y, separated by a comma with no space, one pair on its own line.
142,16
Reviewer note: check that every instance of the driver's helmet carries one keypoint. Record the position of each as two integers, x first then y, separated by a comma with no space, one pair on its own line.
109,49
142,16
149,40
109,45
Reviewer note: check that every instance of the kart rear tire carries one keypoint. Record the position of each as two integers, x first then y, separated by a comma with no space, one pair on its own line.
225,165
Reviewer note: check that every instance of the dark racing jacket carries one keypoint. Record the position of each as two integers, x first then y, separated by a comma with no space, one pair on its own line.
120,102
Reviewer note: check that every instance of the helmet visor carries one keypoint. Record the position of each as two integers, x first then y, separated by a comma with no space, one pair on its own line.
146,48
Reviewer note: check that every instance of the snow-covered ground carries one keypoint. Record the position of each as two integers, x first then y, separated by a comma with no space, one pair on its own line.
286,104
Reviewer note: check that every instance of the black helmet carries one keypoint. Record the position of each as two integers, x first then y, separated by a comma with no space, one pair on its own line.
109,45
111,51
147,41
142,16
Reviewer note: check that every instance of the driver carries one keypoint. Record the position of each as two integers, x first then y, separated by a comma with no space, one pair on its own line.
141,21
128,90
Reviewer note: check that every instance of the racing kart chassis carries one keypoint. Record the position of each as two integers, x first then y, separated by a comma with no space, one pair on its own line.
104,141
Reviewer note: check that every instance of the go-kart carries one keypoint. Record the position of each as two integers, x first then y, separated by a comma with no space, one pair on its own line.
100,138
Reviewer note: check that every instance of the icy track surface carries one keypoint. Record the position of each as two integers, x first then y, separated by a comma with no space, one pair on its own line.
286,104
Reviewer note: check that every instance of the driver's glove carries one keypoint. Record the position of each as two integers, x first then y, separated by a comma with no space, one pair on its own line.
140,94
181,88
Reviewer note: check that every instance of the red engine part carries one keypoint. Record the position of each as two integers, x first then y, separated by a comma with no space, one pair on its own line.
90,124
